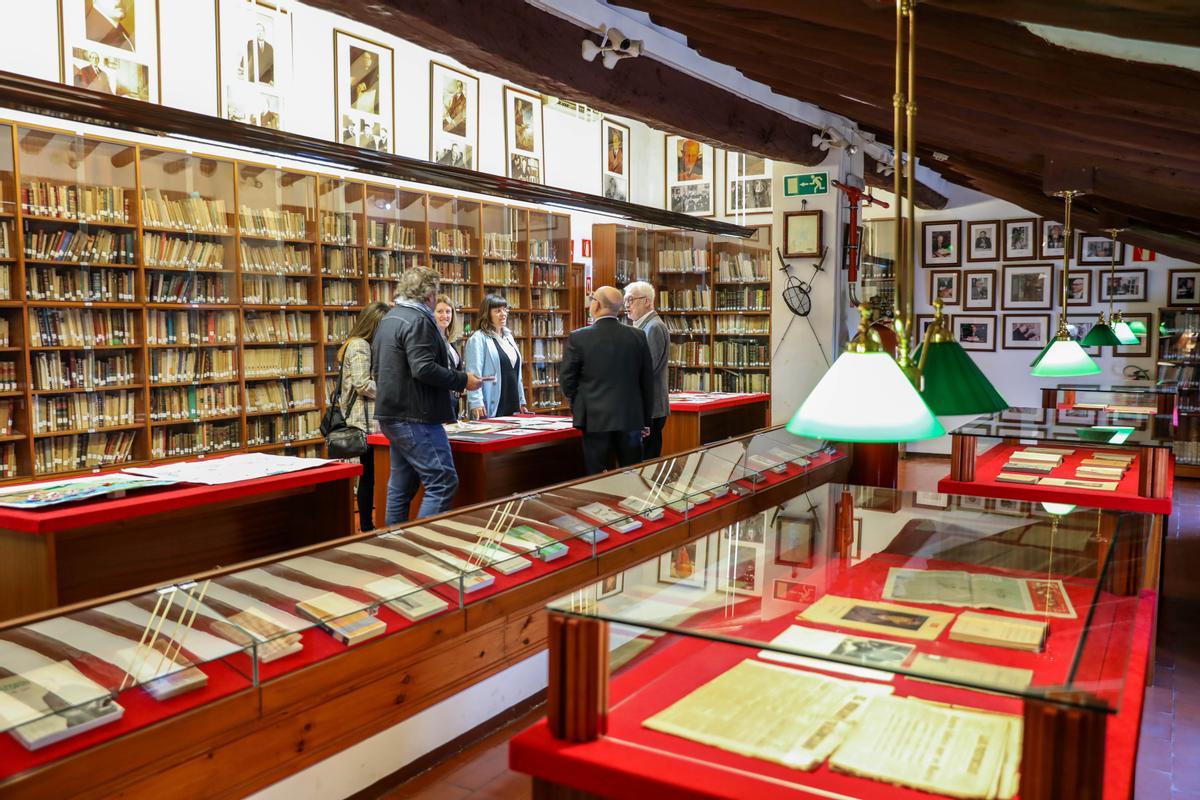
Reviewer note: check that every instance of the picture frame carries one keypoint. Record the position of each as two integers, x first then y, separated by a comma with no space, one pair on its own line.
742,567
1142,348
802,234
1023,414
615,141
975,331
1123,286
1079,287
1183,287
610,585
923,321
1026,331
1028,287
748,183
972,502
1079,326
941,243
793,541
254,62
1021,239
685,565
364,103
1097,251
793,591
524,136
689,171
113,50
979,290
453,116
983,240
1077,417
1012,508
944,285
932,500
1053,240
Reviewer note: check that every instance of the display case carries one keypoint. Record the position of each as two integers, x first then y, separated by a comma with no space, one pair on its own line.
549,300
857,642
1179,368
742,312
14,381
1125,398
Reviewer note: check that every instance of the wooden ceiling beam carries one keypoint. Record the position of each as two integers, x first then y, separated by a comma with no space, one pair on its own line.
927,198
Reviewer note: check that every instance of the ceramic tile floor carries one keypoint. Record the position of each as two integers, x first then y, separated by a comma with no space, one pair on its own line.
1169,750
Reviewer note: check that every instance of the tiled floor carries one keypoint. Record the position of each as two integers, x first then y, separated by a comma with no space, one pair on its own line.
1169,752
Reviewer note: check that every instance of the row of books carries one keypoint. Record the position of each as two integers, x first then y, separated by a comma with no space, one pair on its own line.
194,402
189,287
382,291
84,411
5,282
338,326
688,380
9,382
451,241
98,247
544,397
682,259
545,374
75,201
274,290
7,409
280,396
502,273
547,325
189,213
450,270
8,460
741,353
191,327
687,326
283,428
689,354
341,261
192,364
271,362
744,267
273,223
697,299
82,451
78,284
547,350
4,332
516,324
387,265
744,298
338,227
207,437
74,327
550,275
735,323
390,234
728,381
82,370
339,293
8,240
546,299
629,270
544,250
459,295
276,326
176,252
508,294
500,245
278,259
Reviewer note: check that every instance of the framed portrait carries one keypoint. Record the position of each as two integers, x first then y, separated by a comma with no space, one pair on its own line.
972,503
1123,286
935,500
690,170
975,332
1079,326
793,591
110,46
1098,251
794,541
1183,287
1142,348
1079,287
614,165
685,565
1012,508
254,61
983,240
1054,239
1021,239
364,95
940,242
802,234
944,286
1075,416
741,567
979,290
453,116
1026,331
747,183
923,321
524,135
612,585
1028,286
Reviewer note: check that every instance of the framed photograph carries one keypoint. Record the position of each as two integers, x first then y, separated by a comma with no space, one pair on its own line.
110,46
794,541
972,503
1183,287
802,234
254,61
941,240
742,567
975,332
793,591
1079,288
365,99
923,321
935,500
1075,416
1123,286
524,135
1097,251
747,183
1054,239
1026,331
1023,414
610,586
1021,239
614,166
685,565
453,116
979,290
944,286
690,169
1028,287
1012,508
1142,348
983,240
1079,326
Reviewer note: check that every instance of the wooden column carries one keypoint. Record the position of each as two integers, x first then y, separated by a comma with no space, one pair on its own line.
1062,755
577,696
962,457
874,465
1050,397
1153,478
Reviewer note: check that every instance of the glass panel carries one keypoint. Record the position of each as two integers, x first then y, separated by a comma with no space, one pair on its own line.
454,249
1076,426
395,237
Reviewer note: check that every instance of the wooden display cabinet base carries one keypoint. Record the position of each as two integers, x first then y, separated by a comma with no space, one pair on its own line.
1062,754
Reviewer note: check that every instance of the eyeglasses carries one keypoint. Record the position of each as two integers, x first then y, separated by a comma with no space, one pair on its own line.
633,297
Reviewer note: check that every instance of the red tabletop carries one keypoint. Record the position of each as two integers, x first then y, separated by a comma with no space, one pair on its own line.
720,402
500,443
168,498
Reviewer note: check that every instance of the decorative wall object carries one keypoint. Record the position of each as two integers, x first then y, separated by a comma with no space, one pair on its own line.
941,240
453,116
944,286
690,168
109,46
983,240
979,290
1028,286
975,332
684,565
254,64
1079,288
743,568
524,136
1183,287
1097,251
802,234
1026,331
793,542
364,93
1053,239
1123,286
614,166
747,183
1021,239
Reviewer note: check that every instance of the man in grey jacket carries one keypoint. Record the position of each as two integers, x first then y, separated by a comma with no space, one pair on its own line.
639,305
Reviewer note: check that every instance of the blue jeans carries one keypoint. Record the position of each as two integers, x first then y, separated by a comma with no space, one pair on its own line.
420,455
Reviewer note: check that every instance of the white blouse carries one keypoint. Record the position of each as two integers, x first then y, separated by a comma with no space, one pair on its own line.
508,345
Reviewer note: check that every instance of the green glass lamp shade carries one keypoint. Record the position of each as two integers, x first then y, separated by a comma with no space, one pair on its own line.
865,397
1137,326
1105,434
1063,358
953,384
1124,333
1101,335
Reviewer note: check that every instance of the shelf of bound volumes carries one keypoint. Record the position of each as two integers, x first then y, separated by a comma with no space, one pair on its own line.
713,293
1179,367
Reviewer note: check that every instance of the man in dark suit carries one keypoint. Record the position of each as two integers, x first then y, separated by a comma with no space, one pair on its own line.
109,22
639,305
607,377
259,64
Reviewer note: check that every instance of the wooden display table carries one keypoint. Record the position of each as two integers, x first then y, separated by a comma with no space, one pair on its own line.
700,418
74,552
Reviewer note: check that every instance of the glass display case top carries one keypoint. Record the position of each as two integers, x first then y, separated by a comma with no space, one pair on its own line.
1075,426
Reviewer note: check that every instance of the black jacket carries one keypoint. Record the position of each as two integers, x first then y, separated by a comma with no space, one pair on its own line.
412,374
606,375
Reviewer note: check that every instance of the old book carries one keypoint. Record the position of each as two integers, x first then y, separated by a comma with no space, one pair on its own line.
621,523
978,673
1079,483
1100,473
843,646
1028,467
343,618
270,640
548,548
1036,458
53,702
958,588
577,527
875,617
1056,451
1107,463
1017,477
1113,455
992,629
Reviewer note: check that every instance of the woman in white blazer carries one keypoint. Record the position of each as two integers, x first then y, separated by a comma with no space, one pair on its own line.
493,355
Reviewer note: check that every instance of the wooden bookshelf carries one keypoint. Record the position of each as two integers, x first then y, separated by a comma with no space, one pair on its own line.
550,309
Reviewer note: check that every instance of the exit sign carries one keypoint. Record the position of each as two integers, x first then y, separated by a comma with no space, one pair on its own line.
812,183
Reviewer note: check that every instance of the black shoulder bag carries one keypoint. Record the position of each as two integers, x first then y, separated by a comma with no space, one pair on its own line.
342,440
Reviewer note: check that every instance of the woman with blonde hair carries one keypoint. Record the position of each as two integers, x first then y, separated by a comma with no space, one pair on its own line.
445,316
357,399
